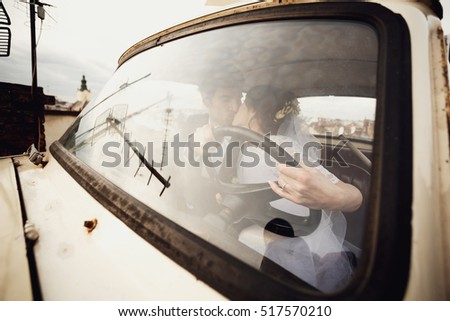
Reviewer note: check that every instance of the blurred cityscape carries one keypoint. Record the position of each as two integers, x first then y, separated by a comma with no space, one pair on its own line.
361,129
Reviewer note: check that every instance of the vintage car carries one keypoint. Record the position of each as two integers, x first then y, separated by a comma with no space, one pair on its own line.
137,202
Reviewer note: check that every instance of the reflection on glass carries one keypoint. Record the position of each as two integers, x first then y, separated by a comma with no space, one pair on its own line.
195,129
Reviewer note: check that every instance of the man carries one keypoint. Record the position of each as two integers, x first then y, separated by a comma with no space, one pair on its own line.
222,97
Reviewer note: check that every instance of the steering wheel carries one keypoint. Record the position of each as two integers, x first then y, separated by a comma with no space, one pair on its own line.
238,196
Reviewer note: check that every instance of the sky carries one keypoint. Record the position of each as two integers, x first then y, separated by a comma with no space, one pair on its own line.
86,37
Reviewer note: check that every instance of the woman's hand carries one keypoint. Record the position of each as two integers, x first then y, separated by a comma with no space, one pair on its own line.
309,187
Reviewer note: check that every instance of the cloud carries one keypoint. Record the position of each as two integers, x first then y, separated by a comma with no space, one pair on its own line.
17,69
59,71
87,38
62,71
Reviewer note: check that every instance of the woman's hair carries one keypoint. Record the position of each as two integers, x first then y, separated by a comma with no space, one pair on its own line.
271,106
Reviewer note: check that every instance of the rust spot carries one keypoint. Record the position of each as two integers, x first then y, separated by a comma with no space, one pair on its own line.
90,225
445,59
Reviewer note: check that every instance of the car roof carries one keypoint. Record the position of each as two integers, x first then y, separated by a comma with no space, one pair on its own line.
155,39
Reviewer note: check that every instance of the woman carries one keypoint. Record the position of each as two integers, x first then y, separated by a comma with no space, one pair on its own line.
319,258
264,111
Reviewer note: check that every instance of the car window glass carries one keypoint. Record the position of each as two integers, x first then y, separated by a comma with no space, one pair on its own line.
194,128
